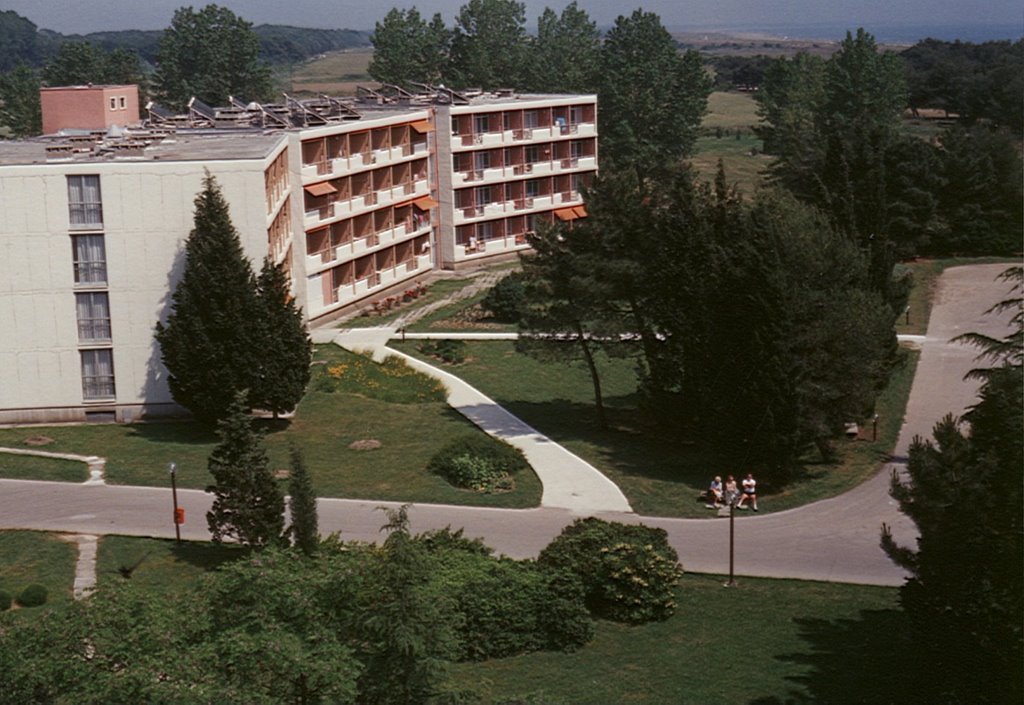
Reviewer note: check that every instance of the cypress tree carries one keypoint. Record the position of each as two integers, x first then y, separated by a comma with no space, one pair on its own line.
248,505
304,529
206,344
285,350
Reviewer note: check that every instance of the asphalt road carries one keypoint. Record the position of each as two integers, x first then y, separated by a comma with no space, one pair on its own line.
833,540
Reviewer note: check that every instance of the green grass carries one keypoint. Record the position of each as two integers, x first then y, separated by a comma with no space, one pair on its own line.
658,476
767,641
463,315
731,110
323,427
743,158
161,566
28,557
337,73
31,467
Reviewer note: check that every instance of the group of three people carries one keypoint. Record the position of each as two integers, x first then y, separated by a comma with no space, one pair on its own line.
727,494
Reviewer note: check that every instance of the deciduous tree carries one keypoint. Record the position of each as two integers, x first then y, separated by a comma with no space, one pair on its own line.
489,44
407,48
210,54
248,505
564,54
651,98
20,114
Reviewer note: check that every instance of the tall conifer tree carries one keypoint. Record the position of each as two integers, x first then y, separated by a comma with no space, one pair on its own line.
207,341
285,350
305,525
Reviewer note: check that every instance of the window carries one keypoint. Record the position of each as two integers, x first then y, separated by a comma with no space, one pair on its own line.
531,223
122,103
530,119
532,188
482,196
113,103
482,160
481,123
484,231
532,154
93,309
576,149
89,255
97,374
506,121
576,114
85,206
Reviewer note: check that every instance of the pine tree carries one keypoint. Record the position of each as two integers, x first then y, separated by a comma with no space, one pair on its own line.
304,529
248,505
285,350
207,343
965,493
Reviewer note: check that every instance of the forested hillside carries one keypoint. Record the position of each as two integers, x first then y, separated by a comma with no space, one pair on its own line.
25,43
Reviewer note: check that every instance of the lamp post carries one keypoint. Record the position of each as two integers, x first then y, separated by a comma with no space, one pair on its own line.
732,543
172,468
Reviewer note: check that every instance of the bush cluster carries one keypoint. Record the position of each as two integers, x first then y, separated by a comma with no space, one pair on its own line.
451,351
478,462
628,572
33,596
506,299
5,600
508,607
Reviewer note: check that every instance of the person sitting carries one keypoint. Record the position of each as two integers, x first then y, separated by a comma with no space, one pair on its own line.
731,491
715,493
749,492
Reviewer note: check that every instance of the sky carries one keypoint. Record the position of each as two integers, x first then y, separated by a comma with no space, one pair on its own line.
776,16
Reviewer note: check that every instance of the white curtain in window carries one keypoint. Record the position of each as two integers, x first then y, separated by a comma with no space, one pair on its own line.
90,257
84,200
97,373
93,311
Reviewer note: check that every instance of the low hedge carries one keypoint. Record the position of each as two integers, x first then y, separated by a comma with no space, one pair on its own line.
34,595
628,572
5,600
478,462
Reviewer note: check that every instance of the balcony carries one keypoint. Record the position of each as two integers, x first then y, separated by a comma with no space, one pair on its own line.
524,134
318,215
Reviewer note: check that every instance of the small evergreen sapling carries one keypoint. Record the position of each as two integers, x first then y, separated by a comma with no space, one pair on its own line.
248,505
304,529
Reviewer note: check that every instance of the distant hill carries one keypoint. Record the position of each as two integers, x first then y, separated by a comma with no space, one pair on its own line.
24,43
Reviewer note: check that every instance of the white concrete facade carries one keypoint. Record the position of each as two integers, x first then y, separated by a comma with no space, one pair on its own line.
356,210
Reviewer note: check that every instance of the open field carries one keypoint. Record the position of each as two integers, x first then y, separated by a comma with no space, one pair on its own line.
334,73
659,475
742,157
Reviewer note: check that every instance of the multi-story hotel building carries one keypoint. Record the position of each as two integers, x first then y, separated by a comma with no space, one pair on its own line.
356,198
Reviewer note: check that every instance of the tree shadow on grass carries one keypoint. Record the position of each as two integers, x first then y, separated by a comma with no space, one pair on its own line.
630,444
209,556
868,660
186,432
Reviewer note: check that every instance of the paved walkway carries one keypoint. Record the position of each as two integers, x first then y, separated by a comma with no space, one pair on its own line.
834,540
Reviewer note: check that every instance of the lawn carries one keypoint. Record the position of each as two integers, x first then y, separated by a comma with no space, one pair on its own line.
767,641
409,419
31,467
161,566
660,477
28,557
743,158
436,291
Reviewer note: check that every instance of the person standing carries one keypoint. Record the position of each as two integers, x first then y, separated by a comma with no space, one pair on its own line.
749,492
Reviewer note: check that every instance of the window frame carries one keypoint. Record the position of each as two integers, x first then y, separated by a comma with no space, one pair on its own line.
81,203
97,386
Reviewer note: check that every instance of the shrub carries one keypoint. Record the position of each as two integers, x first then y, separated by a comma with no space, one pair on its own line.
628,572
32,596
509,607
5,600
478,462
451,351
506,299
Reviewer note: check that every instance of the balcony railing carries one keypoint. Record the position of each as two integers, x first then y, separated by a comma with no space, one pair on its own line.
523,134
520,169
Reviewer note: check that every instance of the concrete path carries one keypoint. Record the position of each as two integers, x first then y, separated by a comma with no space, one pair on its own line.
834,540
85,566
569,481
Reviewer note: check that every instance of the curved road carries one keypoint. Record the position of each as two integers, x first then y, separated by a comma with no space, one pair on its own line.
833,540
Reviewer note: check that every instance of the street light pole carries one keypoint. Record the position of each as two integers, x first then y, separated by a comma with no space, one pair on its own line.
732,543
172,468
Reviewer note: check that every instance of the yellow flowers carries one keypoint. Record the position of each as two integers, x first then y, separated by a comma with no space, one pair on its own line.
390,381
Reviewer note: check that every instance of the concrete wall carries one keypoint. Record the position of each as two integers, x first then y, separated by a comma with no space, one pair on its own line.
147,215
88,107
